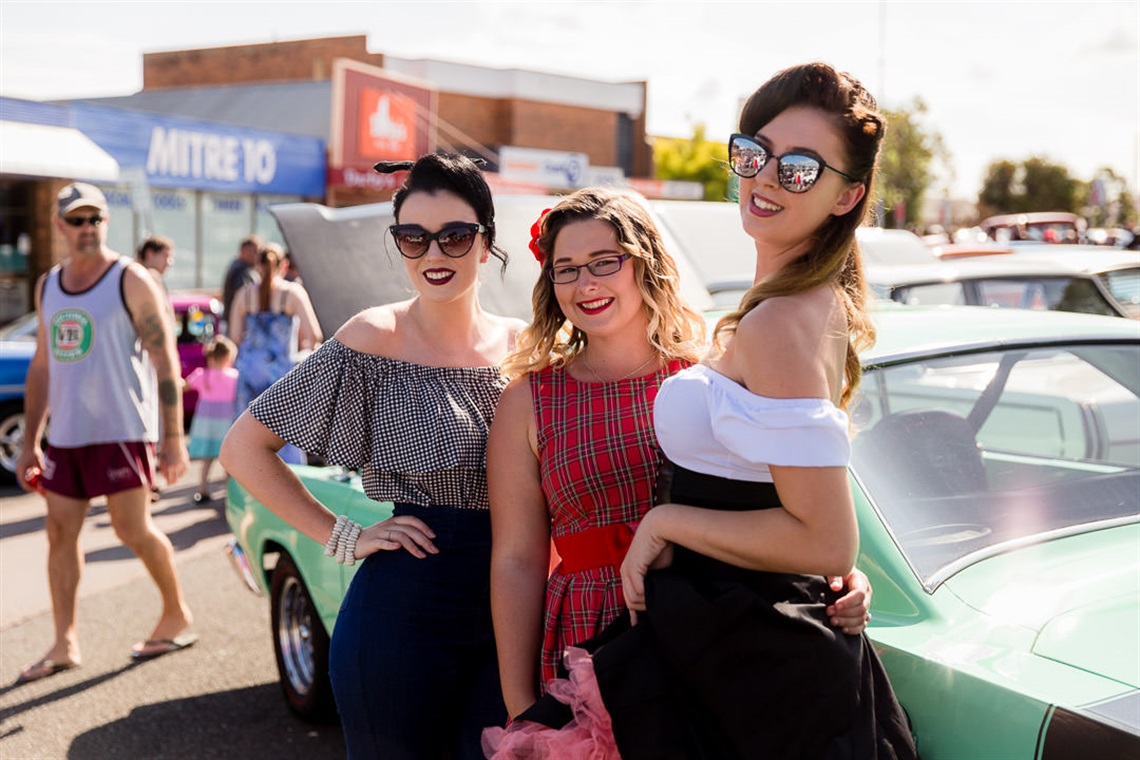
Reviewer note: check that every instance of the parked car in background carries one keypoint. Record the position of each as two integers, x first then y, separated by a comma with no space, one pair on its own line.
709,236
995,476
196,319
17,344
1011,282
1113,237
1078,278
1038,227
1117,271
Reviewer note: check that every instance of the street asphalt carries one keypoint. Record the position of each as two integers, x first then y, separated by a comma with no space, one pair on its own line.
217,699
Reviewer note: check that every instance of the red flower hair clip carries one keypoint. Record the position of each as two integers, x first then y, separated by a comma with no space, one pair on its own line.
535,232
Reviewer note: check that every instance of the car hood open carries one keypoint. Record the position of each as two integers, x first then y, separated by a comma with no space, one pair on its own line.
1081,593
349,262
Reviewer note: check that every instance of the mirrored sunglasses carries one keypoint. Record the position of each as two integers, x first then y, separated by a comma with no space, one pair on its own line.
796,172
78,221
563,274
455,239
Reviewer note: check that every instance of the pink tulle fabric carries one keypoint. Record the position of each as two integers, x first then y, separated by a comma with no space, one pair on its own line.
589,736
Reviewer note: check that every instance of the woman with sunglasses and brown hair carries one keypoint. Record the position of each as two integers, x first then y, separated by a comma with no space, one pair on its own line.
759,507
405,391
572,455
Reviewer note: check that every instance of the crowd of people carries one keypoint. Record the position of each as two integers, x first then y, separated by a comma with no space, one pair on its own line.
582,503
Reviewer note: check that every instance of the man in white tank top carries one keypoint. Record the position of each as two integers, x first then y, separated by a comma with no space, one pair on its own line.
106,367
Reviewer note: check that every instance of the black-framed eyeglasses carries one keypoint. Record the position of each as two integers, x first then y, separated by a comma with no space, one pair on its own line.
78,221
796,172
564,274
455,239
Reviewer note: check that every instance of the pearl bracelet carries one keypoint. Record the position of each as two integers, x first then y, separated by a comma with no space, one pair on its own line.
350,547
334,537
348,534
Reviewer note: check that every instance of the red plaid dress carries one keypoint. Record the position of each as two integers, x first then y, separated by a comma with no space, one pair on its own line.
598,461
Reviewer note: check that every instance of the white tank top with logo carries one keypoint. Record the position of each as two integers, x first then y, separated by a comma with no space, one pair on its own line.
102,387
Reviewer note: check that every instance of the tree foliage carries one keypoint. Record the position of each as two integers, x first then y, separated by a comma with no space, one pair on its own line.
1035,184
695,159
910,152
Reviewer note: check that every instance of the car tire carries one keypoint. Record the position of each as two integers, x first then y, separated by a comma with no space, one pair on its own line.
11,439
300,645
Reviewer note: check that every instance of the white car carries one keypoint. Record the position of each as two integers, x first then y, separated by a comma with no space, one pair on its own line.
1079,278
710,237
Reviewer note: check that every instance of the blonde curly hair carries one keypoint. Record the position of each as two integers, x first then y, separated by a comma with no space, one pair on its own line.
674,329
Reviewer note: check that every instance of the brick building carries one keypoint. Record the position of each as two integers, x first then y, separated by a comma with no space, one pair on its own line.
296,86
218,135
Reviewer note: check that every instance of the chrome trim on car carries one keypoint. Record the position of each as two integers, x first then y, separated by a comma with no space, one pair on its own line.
240,562
944,574
927,353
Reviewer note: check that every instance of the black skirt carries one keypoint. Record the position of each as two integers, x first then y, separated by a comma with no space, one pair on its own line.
734,663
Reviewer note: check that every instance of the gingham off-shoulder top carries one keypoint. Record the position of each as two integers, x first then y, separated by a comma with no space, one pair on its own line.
418,433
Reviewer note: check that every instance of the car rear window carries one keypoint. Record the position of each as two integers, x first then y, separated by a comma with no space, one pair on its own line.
967,455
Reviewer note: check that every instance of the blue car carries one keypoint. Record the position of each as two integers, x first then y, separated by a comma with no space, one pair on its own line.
17,344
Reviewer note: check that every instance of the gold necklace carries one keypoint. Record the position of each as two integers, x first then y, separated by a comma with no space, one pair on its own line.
626,376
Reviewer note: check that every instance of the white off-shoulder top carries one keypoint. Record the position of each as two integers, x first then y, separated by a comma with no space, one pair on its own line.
709,423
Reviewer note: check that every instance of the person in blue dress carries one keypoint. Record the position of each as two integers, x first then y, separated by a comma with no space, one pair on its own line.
274,325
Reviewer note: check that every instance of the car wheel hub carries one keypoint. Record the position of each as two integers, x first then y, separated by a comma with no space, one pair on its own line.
294,629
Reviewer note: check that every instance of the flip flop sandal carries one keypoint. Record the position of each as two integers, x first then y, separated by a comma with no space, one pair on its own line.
49,668
159,647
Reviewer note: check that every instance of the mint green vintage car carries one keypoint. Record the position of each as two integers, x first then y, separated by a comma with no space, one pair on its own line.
996,473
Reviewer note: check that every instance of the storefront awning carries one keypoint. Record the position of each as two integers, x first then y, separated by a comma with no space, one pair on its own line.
37,150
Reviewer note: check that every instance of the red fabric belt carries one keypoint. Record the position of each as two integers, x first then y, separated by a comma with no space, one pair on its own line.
594,547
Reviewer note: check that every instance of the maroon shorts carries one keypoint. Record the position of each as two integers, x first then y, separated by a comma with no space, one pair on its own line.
99,469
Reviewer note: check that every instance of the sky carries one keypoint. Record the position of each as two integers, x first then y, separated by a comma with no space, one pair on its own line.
1000,79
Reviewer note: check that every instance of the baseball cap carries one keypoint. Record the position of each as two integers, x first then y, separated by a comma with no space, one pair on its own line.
80,195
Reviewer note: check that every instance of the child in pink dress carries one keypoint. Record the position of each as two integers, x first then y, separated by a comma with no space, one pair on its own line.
217,389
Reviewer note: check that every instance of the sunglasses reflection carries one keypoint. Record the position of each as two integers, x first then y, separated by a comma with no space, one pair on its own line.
796,172
454,240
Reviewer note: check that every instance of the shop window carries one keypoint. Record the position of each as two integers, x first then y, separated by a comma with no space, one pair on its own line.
174,214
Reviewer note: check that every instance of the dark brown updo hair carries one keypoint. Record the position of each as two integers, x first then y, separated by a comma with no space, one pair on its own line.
834,254
458,175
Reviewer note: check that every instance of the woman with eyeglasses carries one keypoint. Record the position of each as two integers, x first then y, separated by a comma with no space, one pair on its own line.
572,455
406,392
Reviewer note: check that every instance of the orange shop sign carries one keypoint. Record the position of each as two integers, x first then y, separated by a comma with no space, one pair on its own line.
378,116
387,127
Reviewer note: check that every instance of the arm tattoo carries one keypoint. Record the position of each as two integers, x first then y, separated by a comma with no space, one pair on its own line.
152,332
168,392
